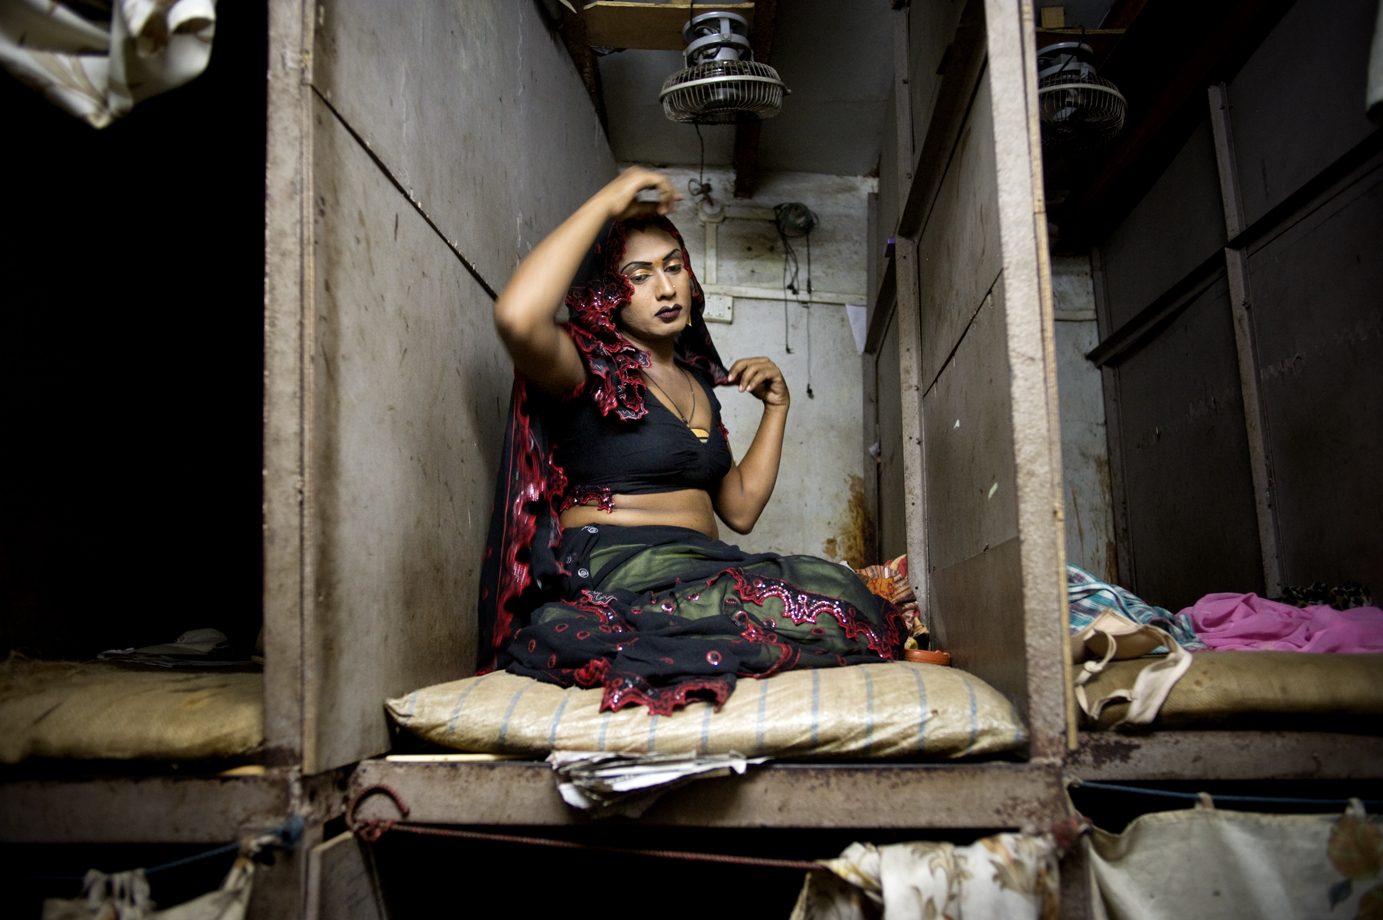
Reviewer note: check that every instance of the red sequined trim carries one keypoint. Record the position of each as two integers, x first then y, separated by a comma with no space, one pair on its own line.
661,701
582,495
805,607
592,674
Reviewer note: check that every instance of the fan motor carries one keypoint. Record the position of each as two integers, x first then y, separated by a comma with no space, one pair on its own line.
1080,110
722,82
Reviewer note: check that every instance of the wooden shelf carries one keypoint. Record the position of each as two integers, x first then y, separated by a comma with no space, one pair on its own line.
653,26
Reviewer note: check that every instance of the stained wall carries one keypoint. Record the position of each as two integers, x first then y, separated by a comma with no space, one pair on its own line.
448,139
818,504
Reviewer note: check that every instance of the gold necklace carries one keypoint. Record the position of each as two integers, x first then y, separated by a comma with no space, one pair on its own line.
686,419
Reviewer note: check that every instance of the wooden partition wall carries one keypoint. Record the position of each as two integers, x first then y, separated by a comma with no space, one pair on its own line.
963,317
411,165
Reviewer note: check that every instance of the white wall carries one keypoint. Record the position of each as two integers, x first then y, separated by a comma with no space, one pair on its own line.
818,504
1084,444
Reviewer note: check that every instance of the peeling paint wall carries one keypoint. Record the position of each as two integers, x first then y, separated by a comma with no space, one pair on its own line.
818,505
1084,444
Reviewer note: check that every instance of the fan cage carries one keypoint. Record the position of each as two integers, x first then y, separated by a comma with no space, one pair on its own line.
1079,110
722,92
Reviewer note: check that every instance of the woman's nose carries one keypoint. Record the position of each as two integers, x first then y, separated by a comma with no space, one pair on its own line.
665,287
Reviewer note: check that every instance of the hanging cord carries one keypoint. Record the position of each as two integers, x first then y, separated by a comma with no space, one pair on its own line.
701,189
796,219
371,829
1196,796
286,836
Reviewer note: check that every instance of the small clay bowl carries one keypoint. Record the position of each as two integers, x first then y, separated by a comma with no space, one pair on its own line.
927,657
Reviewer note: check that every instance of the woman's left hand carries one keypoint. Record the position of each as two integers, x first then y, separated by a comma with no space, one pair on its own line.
762,378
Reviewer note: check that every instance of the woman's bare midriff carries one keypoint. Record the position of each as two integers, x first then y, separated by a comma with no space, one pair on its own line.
690,508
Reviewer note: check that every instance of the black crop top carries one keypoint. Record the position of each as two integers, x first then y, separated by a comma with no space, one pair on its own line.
656,453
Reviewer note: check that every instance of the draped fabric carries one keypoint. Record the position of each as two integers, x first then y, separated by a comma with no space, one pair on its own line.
97,71
657,616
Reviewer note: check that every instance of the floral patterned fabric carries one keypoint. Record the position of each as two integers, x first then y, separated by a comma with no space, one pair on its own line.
1224,865
97,71
1003,877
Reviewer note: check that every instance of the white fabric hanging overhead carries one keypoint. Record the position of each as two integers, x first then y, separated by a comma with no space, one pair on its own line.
98,71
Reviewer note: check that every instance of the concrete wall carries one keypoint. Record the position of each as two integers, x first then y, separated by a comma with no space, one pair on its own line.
1084,442
818,505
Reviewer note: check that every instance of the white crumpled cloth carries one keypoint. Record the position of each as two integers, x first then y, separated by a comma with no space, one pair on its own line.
1003,877
98,71
125,896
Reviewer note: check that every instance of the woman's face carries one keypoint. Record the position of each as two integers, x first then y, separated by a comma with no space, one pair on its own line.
662,299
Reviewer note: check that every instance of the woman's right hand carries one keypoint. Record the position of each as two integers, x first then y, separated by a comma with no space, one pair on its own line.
621,196
526,310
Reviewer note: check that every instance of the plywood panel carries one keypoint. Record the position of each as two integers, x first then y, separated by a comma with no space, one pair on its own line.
342,883
1185,449
1177,226
1318,321
958,254
930,28
475,108
286,268
977,606
892,531
1027,306
1297,105
409,389
890,196
970,462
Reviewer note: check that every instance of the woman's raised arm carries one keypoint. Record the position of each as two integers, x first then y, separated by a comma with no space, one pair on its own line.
526,311
745,490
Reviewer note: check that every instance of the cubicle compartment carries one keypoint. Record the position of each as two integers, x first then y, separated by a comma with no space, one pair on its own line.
970,334
1241,319
395,216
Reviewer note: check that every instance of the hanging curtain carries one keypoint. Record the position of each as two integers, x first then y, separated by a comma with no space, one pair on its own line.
96,70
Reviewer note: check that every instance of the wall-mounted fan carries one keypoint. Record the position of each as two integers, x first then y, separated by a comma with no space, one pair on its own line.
722,81
1079,109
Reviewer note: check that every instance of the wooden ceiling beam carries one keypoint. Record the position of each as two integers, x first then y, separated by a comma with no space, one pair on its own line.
651,26
746,154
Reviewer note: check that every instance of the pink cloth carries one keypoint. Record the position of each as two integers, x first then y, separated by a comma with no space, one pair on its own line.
1247,621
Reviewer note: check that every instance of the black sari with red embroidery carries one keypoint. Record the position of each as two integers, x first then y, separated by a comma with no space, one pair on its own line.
655,615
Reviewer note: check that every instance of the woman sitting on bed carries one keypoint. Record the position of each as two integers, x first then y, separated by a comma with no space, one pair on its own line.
603,565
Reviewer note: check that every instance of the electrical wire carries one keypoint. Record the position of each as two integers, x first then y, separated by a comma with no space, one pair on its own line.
1195,796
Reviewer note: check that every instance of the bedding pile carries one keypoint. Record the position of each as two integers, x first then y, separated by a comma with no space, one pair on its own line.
868,711
96,711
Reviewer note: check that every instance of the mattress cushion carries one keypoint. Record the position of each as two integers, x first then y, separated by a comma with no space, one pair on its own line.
94,711
1261,689
893,710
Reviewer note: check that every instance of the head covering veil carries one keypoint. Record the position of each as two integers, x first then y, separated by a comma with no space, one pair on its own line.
520,569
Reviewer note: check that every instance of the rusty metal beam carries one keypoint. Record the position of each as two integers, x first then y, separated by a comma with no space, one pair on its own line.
1009,795
1226,755
747,132
158,809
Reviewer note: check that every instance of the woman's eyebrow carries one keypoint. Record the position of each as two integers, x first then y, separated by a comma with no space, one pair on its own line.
675,253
